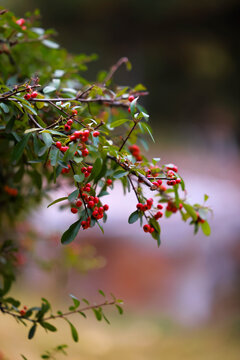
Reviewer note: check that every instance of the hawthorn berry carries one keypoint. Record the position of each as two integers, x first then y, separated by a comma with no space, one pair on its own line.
70,122
74,112
34,94
67,127
159,206
78,203
146,228
27,96
20,22
58,144
85,152
131,98
109,181
74,210
91,204
22,312
105,207
139,206
96,133
129,109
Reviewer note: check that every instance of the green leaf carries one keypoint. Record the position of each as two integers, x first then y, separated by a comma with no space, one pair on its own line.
120,173
73,195
146,128
133,217
73,331
101,293
118,123
47,139
79,178
19,148
53,156
98,314
4,107
206,228
57,201
120,310
133,106
75,301
24,357
69,235
49,89
32,331
48,326
190,210
206,197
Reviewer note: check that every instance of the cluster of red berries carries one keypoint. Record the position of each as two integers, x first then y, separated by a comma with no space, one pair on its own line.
145,207
159,214
135,151
171,174
98,212
86,170
157,183
21,23
148,228
172,207
66,171
23,311
10,191
30,94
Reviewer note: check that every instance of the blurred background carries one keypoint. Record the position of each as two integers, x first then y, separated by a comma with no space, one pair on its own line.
182,301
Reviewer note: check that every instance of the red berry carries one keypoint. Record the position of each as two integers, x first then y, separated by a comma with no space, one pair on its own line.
159,182
74,210
86,174
27,96
109,182
34,94
86,133
101,209
96,133
85,152
74,112
131,98
72,138
163,188
139,206
159,206
58,144
89,169
146,228
105,207
151,230
20,22
22,312
96,200
91,204
83,223
78,203
67,127
70,122
83,169
64,148
158,215
180,206
77,134
87,189
178,180
129,110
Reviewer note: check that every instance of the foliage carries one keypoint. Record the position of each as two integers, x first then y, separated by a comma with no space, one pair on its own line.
55,125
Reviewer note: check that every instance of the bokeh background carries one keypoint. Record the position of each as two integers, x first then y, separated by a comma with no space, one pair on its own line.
182,301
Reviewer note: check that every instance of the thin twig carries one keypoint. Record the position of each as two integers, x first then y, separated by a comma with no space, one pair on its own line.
114,68
127,137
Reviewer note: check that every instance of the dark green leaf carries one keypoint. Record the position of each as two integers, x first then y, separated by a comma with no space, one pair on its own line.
133,217
48,326
57,201
73,331
79,178
32,331
120,173
69,235
19,148
47,139
75,301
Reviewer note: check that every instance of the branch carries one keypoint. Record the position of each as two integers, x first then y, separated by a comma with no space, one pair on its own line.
115,67
127,137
